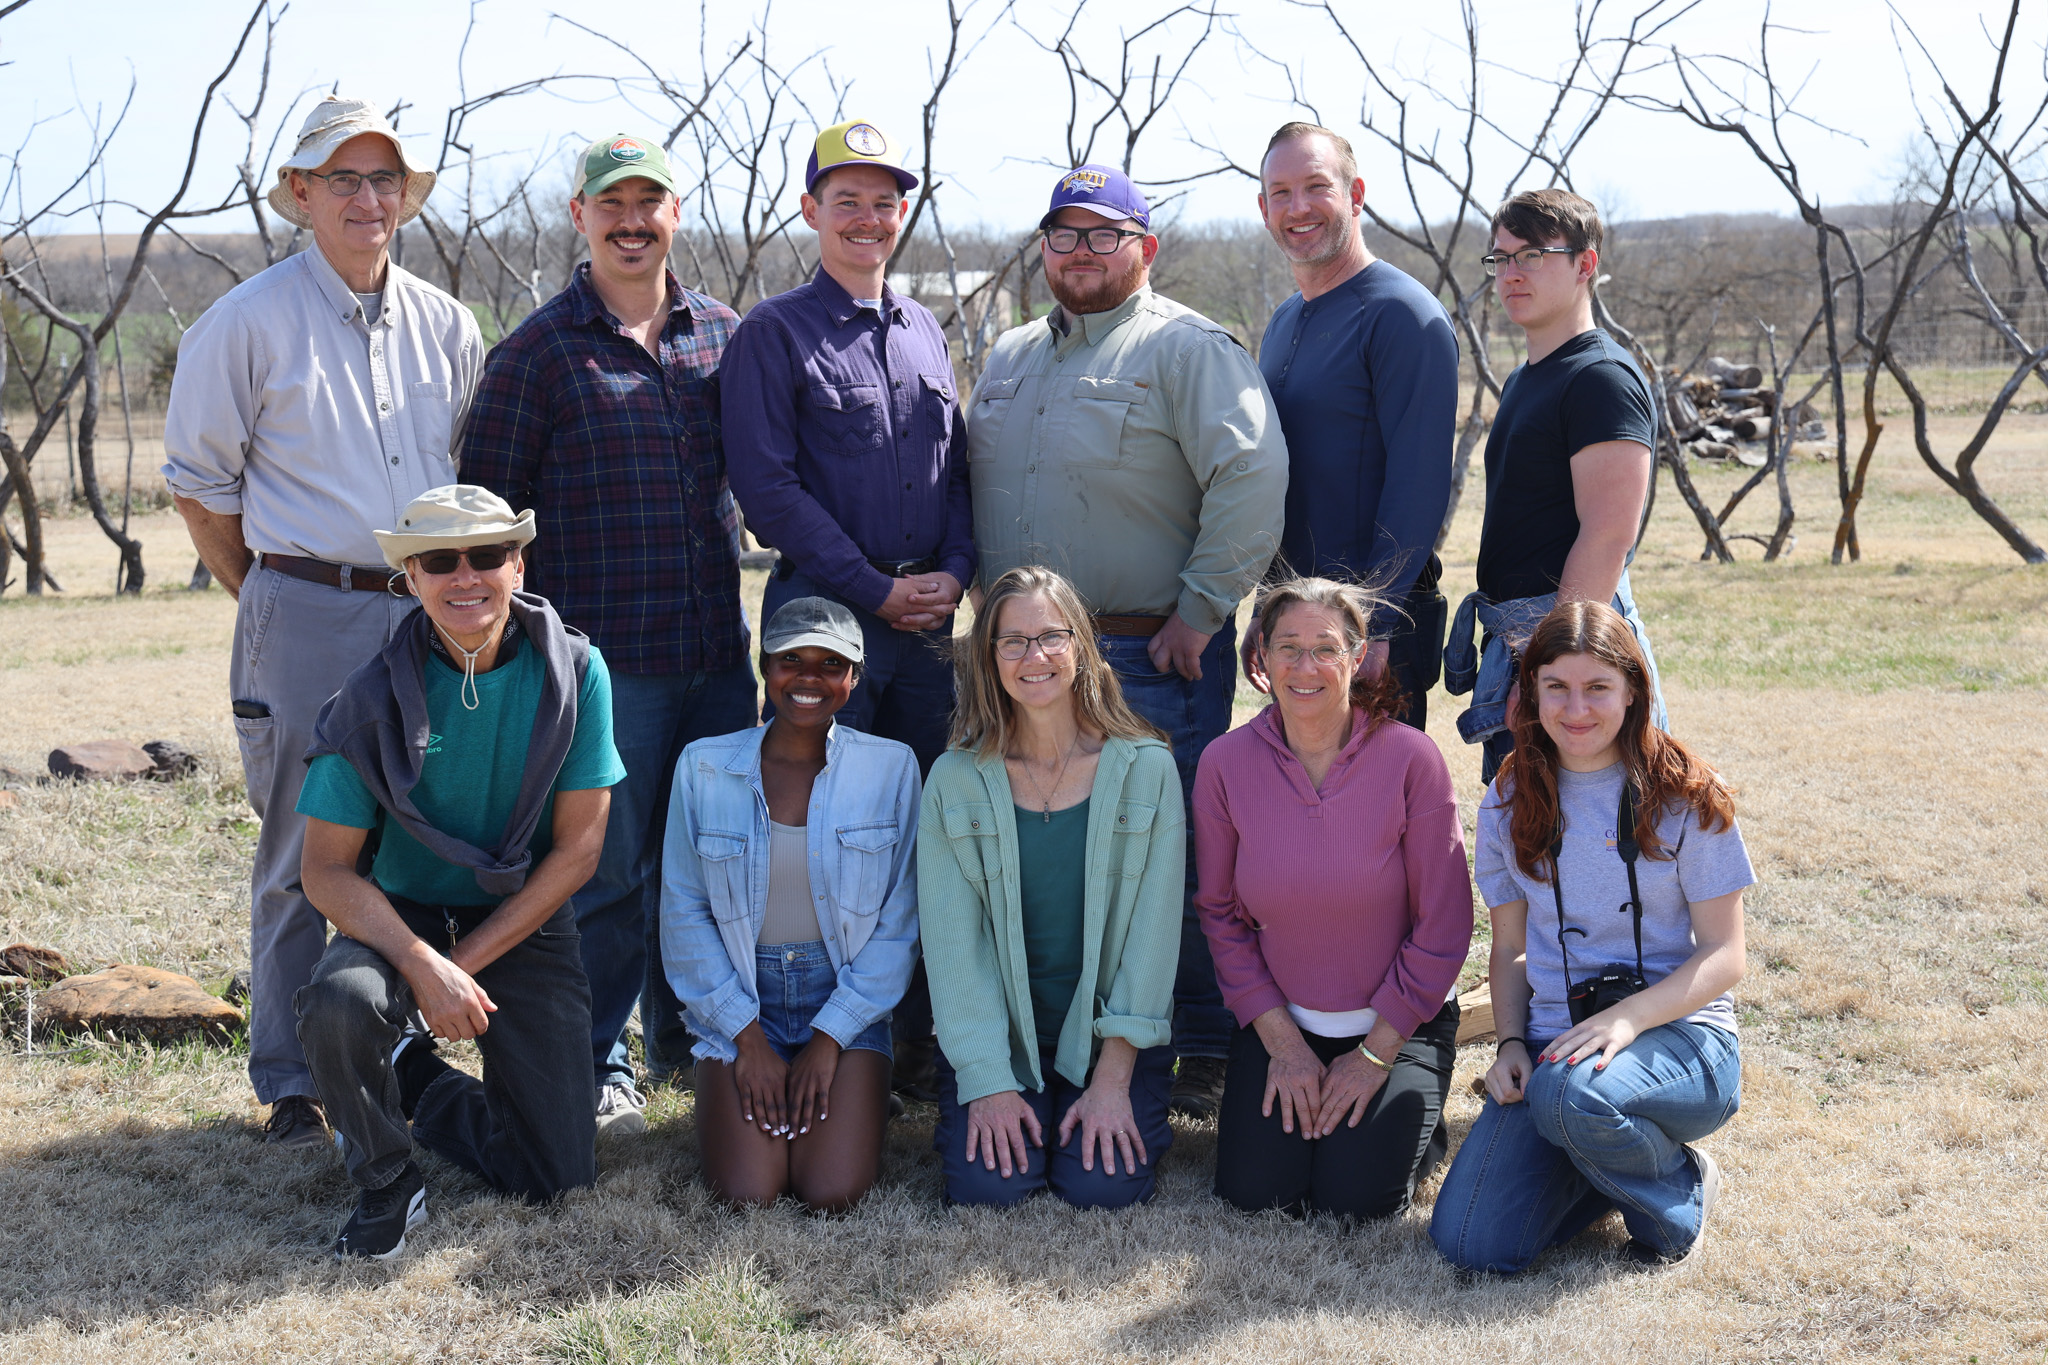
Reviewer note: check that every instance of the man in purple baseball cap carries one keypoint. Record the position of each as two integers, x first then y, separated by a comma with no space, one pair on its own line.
1130,443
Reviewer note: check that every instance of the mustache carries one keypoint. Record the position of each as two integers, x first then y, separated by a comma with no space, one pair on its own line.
629,234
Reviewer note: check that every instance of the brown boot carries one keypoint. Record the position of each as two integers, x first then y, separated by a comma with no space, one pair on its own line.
297,1121
1197,1087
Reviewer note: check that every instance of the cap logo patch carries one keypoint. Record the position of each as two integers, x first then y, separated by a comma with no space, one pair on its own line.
626,149
1084,182
864,139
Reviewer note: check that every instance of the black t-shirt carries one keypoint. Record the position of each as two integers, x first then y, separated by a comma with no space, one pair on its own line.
1584,392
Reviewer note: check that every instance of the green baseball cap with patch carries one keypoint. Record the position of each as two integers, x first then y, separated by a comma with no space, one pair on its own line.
621,156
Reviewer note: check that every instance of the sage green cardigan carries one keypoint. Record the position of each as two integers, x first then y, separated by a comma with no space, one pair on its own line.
972,921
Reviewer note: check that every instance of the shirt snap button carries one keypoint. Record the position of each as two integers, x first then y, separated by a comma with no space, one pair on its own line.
974,824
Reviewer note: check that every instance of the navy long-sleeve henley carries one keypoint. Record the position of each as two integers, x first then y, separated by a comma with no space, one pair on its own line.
1365,379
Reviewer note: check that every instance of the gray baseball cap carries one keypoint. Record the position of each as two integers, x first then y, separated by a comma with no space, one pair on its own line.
813,621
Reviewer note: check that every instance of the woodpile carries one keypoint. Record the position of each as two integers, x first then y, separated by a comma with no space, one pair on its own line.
1729,413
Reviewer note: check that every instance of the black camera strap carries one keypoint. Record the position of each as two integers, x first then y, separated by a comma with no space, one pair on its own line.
1625,844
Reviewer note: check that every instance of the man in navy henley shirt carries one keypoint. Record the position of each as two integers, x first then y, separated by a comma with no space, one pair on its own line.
1363,366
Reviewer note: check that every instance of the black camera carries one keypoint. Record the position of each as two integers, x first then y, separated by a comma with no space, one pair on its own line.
1588,997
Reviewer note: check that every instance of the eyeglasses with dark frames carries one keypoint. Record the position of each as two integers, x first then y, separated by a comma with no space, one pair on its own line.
1529,257
482,558
1054,643
344,184
1102,241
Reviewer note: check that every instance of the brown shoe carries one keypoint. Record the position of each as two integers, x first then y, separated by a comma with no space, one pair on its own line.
1197,1087
296,1121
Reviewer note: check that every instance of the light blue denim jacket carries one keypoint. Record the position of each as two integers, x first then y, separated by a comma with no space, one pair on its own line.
861,834
1488,672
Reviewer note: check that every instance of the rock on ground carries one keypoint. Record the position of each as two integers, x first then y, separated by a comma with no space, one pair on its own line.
138,1002
172,761
101,759
40,965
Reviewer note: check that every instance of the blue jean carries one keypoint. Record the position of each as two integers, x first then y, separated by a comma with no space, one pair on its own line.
1191,714
1533,1175
795,980
1060,1169
618,911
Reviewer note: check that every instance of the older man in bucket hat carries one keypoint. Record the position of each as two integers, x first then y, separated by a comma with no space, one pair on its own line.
312,403
478,744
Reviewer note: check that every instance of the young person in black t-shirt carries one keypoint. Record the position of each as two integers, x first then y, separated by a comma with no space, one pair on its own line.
1568,462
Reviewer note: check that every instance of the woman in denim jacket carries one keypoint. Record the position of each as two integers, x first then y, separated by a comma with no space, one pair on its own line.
789,924
1050,870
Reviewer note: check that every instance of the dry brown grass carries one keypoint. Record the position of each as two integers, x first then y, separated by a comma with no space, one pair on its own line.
1888,734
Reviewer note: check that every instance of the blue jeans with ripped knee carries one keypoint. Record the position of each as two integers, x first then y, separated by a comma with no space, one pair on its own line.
1582,1143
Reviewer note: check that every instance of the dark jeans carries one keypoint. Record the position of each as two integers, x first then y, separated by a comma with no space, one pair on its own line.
618,911
528,1128
1191,714
1365,1172
1059,1170
906,681
1415,652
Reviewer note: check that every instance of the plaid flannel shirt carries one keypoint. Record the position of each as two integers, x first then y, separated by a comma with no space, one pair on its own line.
619,456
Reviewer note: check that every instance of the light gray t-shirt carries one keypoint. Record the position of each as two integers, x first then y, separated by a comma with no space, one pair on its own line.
1595,882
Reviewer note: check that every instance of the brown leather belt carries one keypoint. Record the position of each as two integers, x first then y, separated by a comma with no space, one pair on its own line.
1144,627
347,577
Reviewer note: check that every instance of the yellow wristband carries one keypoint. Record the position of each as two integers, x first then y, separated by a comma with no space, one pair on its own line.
1372,1057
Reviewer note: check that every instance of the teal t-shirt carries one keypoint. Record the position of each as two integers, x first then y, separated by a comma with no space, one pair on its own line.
471,774
1052,865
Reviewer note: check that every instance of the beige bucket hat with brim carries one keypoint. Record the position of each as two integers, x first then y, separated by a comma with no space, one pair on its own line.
334,121
453,517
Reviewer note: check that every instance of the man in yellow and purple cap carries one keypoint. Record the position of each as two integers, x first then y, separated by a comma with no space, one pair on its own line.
597,413
844,439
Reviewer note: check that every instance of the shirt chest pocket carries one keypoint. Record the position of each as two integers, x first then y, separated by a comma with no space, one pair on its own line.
843,419
432,407
940,403
994,401
1131,839
865,855
971,829
723,858
1097,414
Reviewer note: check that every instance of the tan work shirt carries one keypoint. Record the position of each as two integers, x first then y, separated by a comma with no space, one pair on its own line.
315,423
1134,451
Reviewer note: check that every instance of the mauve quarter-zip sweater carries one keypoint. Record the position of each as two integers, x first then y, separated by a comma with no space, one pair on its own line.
1355,896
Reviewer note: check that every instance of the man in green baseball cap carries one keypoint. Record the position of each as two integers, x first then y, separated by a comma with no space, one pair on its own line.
597,413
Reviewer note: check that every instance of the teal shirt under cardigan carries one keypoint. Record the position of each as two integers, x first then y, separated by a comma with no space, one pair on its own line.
971,913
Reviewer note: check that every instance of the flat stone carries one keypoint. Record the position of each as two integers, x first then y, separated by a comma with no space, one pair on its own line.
1475,1015
8,800
138,1002
100,760
40,965
172,761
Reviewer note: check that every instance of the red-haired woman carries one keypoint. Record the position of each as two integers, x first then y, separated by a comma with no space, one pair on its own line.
1617,1034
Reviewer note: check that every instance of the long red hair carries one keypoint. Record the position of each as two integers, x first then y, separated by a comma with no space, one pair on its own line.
1666,774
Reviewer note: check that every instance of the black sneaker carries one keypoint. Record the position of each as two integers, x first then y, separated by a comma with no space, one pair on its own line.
296,1121
915,1074
1197,1087
382,1218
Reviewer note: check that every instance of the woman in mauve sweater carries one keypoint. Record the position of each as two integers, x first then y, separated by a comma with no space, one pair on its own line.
1338,906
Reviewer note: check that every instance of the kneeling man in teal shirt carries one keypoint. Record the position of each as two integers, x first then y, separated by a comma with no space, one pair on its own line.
476,750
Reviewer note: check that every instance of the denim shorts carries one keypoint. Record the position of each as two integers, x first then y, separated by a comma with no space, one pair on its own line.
795,980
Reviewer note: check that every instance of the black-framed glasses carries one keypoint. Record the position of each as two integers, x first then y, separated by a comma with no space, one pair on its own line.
482,558
344,184
1011,648
1103,241
1529,257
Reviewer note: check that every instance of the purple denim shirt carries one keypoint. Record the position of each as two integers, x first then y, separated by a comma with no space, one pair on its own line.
844,439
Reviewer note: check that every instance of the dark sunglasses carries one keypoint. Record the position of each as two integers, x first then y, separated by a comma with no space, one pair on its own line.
482,558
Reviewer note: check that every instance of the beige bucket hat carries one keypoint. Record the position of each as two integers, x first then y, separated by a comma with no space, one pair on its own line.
334,121
453,517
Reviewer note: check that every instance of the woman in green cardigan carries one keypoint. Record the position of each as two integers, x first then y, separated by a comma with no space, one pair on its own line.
1050,857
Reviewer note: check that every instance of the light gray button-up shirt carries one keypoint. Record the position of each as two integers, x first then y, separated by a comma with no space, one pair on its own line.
1135,451
315,423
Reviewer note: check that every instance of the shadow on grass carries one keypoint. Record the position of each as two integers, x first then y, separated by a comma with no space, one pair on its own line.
139,1220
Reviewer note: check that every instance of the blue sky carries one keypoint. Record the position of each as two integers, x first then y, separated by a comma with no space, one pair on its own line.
1004,118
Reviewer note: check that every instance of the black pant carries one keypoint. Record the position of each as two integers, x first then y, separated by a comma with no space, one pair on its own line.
1415,653
1365,1172
528,1128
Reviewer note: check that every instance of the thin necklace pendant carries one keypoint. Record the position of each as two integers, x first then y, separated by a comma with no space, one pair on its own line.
1045,809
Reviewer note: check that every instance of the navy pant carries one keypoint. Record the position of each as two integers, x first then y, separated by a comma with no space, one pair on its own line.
1191,714
1058,1170
618,911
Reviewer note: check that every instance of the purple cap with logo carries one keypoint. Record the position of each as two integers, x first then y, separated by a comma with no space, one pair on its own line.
1104,191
